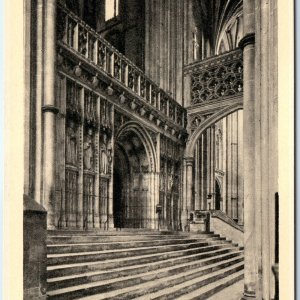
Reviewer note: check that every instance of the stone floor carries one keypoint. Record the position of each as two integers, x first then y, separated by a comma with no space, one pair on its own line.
233,292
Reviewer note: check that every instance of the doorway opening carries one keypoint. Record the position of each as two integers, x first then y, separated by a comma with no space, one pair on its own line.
131,186
218,196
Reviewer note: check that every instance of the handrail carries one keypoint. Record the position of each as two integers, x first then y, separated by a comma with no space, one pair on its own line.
76,34
221,58
222,216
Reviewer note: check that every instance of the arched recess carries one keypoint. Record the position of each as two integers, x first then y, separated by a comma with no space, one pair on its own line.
142,133
190,146
134,181
203,197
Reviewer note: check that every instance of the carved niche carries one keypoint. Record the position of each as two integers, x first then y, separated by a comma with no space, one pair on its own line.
105,153
71,142
88,149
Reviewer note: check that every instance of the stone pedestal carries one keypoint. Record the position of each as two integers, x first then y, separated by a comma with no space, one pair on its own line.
34,236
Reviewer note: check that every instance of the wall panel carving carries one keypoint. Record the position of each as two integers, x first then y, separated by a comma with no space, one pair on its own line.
217,77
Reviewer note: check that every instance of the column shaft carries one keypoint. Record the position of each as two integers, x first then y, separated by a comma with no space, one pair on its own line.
49,113
247,44
39,100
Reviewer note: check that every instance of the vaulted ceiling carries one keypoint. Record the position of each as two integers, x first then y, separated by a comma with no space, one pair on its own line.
212,15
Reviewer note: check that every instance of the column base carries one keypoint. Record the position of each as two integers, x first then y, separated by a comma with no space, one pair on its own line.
248,296
110,221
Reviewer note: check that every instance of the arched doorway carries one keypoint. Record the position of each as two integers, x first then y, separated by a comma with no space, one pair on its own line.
133,184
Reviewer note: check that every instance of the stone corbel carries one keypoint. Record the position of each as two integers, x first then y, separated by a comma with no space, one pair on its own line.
133,105
151,116
110,90
122,98
78,70
95,81
142,111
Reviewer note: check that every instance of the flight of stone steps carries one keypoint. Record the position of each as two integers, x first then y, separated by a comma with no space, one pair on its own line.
140,265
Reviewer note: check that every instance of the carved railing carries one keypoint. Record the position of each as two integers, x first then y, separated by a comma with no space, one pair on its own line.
216,78
76,35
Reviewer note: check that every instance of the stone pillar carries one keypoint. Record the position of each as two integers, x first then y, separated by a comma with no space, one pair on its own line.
234,167
208,167
197,177
110,213
240,168
229,165
97,169
204,170
247,44
61,151
34,250
38,103
49,112
213,167
79,213
188,165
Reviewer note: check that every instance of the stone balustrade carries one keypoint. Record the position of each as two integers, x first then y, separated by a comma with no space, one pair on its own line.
76,35
215,78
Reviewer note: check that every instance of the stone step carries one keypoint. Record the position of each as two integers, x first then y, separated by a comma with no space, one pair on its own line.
84,247
183,265
205,292
165,258
65,258
173,288
79,239
113,231
156,279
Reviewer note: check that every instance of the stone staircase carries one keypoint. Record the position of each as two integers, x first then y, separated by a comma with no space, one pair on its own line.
140,265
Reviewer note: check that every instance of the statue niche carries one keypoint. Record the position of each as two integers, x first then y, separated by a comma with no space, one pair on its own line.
71,143
106,154
88,151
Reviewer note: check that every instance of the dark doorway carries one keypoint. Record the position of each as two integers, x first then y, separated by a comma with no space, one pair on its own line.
118,205
218,196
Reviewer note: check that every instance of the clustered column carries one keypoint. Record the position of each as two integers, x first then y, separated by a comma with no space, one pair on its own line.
247,44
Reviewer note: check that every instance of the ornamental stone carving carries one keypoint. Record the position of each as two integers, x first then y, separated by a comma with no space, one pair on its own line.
105,155
71,144
216,77
88,150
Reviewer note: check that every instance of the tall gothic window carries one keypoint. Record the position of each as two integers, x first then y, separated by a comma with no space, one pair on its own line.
111,9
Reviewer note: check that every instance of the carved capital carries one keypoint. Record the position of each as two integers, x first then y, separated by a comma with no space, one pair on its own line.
189,161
